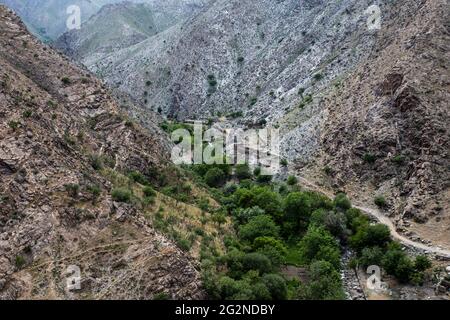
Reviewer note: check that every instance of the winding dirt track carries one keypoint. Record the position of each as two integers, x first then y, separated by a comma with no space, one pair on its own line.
383,220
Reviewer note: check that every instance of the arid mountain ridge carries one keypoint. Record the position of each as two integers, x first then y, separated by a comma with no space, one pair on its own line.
64,146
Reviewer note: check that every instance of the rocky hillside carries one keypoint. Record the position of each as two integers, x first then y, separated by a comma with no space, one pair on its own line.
65,150
361,110
47,19
119,26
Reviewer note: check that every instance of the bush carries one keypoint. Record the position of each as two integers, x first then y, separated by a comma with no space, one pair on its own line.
297,208
138,177
121,195
257,171
284,162
371,256
342,202
259,226
65,80
72,189
319,244
272,248
276,286
243,215
370,236
149,192
380,201
20,262
397,263
292,180
27,113
422,263
95,191
399,159
96,162
257,261
13,125
263,179
214,177
325,283
369,158
243,172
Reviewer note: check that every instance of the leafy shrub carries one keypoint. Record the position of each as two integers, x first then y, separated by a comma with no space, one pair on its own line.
272,248
422,263
297,208
138,177
319,244
13,125
369,158
292,180
65,80
342,202
263,179
259,226
371,256
95,191
284,162
370,236
149,191
325,283
380,201
72,189
399,159
257,261
214,177
27,113
20,262
243,215
276,286
242,172
121,195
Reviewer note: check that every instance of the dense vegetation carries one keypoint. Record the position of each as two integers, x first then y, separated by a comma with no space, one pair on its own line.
280,224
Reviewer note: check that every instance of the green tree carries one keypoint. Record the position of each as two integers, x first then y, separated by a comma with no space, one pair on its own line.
325,283
242,172
274,249
422,263
371,235
215,177
319,244
259,226
342,202
297,208
276,285
371,256
257,261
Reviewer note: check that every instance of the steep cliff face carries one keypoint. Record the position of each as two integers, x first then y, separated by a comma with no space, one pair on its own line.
386,128
248,56
63,147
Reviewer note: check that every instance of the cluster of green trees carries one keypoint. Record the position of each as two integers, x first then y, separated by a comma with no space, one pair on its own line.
273,219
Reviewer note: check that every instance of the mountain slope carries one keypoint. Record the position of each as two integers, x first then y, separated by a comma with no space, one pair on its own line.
122,25
64,149
360,110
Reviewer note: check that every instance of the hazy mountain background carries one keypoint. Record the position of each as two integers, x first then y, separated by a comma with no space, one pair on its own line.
47,19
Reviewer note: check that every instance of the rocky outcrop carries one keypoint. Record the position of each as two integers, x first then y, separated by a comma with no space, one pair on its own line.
58,124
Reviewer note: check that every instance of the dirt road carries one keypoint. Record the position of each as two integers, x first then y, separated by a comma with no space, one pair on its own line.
378,215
